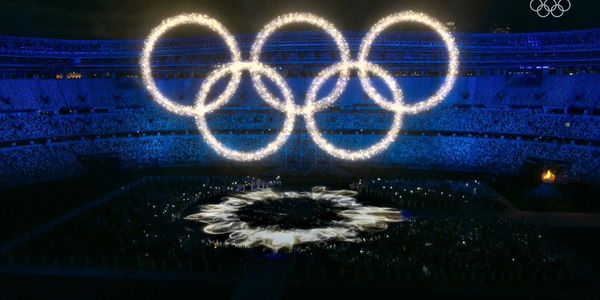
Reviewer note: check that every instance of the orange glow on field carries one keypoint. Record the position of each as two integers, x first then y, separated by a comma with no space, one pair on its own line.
548,176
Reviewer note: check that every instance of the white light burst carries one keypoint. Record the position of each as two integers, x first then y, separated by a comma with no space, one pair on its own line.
312,105
223,218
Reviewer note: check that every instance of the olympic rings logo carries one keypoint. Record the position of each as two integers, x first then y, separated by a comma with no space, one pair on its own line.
287,105
543,9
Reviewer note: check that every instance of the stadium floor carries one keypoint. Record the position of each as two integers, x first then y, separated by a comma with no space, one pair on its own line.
273,279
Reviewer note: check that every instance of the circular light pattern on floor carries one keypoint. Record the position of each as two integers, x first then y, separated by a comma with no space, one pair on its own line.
287,105
355,218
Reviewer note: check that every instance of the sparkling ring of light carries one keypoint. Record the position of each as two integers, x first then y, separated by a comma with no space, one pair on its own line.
222,218
313,106
169,23
254,68
292,18
448,40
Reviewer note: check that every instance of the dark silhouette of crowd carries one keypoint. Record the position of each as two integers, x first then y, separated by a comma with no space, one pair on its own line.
430,193
144,229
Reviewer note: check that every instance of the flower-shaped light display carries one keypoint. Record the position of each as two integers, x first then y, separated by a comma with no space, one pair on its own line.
346,218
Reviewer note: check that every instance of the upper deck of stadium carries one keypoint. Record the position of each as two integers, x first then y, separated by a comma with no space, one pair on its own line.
401,49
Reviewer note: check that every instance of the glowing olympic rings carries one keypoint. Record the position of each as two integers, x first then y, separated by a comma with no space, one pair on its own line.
287,105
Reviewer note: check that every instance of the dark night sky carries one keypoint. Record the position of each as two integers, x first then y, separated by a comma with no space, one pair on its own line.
120,19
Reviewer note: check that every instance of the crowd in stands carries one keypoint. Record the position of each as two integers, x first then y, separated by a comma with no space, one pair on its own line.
557,91
496,155
520,122
46,124
450,152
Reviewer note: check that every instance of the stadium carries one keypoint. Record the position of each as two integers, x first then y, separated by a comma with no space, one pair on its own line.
490,193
